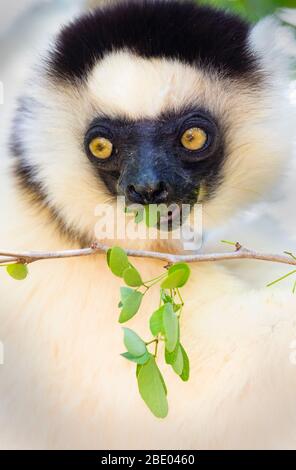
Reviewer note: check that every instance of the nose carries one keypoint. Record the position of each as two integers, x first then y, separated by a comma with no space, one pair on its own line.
149,193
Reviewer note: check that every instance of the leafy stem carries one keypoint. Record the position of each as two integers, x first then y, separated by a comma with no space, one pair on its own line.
156,346
164,325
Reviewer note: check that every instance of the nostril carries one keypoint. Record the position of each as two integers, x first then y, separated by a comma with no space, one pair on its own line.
148,194
133,194
137,194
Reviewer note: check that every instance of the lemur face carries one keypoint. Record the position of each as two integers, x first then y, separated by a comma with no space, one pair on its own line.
156,160
162,102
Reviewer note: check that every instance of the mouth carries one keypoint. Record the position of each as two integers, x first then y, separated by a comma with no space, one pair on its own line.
164,218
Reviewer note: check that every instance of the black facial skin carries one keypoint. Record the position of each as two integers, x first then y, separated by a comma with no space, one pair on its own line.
149,164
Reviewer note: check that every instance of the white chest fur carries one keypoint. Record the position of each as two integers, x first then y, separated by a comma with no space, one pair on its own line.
64,384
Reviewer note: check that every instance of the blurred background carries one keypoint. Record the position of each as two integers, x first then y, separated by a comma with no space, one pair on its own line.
251,9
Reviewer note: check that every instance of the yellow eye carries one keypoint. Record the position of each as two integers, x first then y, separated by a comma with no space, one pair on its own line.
194,139
101,148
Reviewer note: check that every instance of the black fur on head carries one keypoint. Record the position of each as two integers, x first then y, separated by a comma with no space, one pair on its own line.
154,29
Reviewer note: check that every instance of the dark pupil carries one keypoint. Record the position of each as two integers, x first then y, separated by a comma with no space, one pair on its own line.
100,147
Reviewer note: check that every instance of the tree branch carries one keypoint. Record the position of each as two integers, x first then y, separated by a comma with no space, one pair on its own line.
28,257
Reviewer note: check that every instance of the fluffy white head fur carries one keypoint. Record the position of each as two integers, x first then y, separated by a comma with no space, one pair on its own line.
256,123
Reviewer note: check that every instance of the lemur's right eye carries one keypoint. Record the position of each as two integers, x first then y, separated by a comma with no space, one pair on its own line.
101,148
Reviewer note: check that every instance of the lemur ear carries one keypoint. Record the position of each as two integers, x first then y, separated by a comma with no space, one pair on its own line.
274,41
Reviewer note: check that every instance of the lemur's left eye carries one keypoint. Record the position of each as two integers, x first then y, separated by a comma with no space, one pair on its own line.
101,148
194,139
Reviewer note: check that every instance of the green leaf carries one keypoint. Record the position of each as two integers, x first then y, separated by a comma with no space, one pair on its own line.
178,275
172,281
118,261
139,367
156,321
186,366
139,216
170,357
151,216
171,327
125,292
165,297
133,343
178,364
139,360
227,242
131,305
162,381
151,388
132,277
181,267
177,307
17,271
108,256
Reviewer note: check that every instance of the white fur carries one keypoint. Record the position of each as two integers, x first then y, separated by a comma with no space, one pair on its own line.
63,383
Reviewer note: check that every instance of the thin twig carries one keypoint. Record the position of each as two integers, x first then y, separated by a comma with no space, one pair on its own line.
240,252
